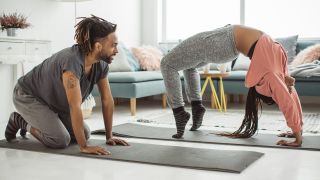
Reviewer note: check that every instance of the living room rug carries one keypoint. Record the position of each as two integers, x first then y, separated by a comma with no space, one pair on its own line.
270,122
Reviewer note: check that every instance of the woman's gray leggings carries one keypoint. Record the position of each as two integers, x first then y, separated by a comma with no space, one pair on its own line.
217,46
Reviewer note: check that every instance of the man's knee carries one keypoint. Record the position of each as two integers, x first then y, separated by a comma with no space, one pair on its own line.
60,142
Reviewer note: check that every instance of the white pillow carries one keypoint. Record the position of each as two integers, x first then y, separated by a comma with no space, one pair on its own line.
120,62
214,66
242,63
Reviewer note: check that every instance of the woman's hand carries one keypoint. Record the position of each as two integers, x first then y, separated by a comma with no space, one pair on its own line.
290,82
296,143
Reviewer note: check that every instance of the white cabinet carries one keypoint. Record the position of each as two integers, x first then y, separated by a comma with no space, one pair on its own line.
14,51
23,54
12,48
17,57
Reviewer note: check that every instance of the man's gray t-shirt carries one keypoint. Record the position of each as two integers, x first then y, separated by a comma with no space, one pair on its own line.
45,83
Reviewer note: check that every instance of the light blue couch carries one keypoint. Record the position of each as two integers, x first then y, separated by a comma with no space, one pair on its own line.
133,85
234,84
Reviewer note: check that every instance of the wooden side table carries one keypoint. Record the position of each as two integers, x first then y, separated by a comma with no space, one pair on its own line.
222,104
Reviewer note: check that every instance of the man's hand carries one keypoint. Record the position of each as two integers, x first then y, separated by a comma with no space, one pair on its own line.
117,141
290,82
296,143
94,150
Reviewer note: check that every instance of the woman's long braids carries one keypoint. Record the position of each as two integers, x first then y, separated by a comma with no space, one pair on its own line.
249,124
89,30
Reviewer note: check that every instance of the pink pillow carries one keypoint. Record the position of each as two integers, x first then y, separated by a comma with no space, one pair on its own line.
149,57
307,55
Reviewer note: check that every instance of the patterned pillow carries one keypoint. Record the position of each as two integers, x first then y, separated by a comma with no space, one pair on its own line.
149,57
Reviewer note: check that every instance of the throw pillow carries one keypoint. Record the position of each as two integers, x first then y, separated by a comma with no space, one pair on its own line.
307,55
120,62
242,63
215,67
290,45
130,57
149,57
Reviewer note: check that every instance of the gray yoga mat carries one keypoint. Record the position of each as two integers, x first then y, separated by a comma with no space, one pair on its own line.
202,136
185,157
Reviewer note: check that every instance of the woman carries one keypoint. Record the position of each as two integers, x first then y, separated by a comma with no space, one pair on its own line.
267,77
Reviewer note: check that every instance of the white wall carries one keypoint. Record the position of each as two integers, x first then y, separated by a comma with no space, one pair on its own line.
125,13
149,28
54,20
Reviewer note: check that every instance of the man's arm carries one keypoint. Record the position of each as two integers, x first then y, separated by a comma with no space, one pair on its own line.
72,88
107,110
107,105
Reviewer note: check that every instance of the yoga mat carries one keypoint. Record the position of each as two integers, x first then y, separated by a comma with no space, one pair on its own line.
202,136
185,157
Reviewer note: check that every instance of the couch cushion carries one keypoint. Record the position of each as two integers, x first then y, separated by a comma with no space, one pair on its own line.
308,79
137,90
131,77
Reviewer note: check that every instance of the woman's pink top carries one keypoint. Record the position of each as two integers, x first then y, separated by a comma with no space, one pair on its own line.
267,71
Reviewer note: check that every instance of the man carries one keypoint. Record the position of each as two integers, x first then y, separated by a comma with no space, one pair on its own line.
48,98
267,77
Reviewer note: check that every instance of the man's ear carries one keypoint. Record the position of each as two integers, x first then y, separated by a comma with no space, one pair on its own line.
98,46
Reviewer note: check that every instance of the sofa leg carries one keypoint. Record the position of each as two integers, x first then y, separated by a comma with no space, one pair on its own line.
231,97
241,98
164,101
116,101
133,103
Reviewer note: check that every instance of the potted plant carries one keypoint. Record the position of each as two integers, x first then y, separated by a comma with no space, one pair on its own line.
13,21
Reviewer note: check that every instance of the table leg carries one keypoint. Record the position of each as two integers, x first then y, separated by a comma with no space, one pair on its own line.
204,86
215,95
222,96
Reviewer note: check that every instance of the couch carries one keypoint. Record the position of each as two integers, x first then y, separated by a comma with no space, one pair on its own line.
305,86
137,84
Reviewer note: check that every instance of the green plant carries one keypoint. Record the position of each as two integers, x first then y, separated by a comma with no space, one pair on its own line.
13,20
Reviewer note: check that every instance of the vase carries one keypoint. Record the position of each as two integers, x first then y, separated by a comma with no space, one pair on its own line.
11,31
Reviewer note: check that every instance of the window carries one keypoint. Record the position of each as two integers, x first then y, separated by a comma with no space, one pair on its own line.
284,17
187,17
183,18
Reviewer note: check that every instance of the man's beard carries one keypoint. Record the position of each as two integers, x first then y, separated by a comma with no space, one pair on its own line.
105,58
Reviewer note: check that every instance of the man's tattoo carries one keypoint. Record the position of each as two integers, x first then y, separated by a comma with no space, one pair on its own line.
71,83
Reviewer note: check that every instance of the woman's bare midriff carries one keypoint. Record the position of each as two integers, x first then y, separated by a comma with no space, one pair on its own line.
245,37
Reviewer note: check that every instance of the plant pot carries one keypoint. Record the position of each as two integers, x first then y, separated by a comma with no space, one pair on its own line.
11,31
